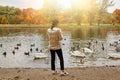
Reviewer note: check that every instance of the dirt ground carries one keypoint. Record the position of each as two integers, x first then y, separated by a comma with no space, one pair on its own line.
84,73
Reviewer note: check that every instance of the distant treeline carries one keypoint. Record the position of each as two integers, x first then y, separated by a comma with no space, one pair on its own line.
95,13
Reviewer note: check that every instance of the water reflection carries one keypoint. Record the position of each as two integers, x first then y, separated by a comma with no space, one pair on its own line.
92,32
26,37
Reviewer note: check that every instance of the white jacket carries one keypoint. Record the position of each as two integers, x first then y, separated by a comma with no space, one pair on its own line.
54,36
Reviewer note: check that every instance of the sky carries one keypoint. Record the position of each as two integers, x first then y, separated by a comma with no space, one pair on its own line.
116,6
37,4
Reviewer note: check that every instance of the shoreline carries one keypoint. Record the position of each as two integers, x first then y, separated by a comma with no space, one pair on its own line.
79,66
78,73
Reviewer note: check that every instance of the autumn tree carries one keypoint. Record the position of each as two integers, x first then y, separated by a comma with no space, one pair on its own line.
51,9
4,20
77,11
92,12
103,6
117,15
28,15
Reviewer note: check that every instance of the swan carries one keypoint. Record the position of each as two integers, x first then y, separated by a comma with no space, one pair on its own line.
87,50
40,56
114,55
118,48
79,54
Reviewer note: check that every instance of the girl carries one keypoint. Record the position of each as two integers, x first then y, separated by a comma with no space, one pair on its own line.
55,36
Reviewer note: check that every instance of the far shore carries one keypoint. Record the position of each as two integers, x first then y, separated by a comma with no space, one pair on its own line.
70,25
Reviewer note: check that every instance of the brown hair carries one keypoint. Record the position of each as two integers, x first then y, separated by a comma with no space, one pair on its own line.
54,23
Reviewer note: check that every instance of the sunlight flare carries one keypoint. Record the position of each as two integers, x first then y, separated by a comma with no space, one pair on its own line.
64,3
38,4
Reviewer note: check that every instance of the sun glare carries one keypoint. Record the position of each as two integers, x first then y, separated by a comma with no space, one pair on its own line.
64,3
77,3
38,4
83,3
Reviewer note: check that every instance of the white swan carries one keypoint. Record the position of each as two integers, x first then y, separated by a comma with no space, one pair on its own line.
118,48
87,50
40,56
114,55
78,54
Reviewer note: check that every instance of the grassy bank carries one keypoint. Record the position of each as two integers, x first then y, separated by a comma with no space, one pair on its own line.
71,25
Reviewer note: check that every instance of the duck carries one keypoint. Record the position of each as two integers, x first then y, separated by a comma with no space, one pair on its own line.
96,41
64,38
13,52
19,44
103,48
4,53
111,44
27,53
40,56
16,48
32,45
37,49
31,49
1,45
89,44
41,50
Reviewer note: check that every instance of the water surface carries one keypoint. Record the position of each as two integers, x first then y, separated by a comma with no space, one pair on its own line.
10,37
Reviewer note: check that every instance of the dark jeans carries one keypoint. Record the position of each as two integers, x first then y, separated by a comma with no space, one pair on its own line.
60,55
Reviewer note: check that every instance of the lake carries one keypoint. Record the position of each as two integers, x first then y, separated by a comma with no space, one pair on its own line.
20,40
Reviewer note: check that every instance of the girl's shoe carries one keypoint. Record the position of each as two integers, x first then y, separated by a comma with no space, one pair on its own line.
55,72
64,73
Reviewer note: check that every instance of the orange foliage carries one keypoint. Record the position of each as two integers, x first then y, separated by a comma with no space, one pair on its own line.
117,15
